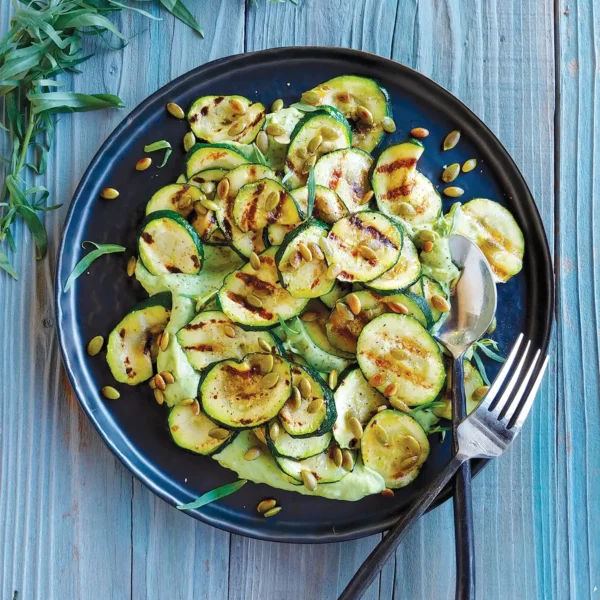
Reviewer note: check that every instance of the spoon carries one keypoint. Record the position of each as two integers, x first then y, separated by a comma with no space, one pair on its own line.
472,311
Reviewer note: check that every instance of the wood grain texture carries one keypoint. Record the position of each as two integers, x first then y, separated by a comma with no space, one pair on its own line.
73,524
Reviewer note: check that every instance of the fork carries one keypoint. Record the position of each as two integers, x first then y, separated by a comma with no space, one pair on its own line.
486,433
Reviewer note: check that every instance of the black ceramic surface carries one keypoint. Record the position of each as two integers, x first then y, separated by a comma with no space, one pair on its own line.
134,426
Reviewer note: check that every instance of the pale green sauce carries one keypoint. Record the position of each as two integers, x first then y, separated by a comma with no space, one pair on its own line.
359,483
437,263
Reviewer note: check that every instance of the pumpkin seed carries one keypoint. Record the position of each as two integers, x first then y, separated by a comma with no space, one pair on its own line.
381,434
399,353
295,400
254,261
325,245
419,132
201,210
152,384
95,345
440,303
453,192
110,392
309,480
428,246
364,114
264,345
347,460
314,144
399,405
315,406
175,110
451,172
451,140
333,271
254,301
366,198
109,193
382,407
308,164
326,147
302,153
143,163
425,235
196,407
184,202
492,327
387,493
159,397
354,303
272,201
274,129
277,105
344,312
259,433
329,133
398,308
167,376
189,139
409,462
237,106
469,165
236,128
269,381
390,390
377,380
229,331
337,457
187,402
282,139
480,392
252,453
406,210
266,505
332,379
309,317
266,363
366,252
388,124
160,382
272,512
305,387
305,252
412,444
274,429
355,427
223,188
262,142
164,341
218,433
311,97
209,204
316,251
208,187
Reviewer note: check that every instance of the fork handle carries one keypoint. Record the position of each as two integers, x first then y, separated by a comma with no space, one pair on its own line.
376,560
464,541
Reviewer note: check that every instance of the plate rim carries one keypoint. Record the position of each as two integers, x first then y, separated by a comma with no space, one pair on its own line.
287,52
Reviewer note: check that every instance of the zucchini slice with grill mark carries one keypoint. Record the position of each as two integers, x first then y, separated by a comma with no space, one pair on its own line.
169,197
433,288
328,207
297,448
310,127
190,431
402,275
340,289
276,151
493,228
346,172
169,244
213,117
308,279
300,422
251,241
321,466
250,206
205,341
473,381
407,448
205,223
352,237
347,93
202,157
129,352
354,397
416,379
232,392
264,287
207,180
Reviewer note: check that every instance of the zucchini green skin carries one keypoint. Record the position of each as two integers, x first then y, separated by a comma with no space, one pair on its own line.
212,156
318,446
431,287
167,198
181,221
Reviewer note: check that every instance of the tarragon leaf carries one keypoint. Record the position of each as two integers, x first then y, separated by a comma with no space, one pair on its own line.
213,495
160,145
6,266
88,259
312,189
57,102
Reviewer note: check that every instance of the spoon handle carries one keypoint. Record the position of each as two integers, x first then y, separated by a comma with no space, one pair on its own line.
463,506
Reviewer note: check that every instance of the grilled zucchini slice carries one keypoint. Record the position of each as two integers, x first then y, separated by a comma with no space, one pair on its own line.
213,156
340,289
174,197
128,352
304,278
347,93
297,448
473,381
352,237
207,180
321,466
433,288
301,422
207,339
399,460
493,228
226,119
190,431
328,125
234,394
354,397
251,241
244,289
416,379
347,173
276,151
169,244
328,207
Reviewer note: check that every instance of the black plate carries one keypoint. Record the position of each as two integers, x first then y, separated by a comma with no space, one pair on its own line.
134,427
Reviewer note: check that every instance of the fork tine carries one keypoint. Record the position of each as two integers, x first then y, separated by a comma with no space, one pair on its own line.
513,403
512,382
532,394
493,391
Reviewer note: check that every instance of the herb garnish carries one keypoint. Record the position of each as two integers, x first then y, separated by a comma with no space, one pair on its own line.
160,145
88,259
312,188
484,346
216,494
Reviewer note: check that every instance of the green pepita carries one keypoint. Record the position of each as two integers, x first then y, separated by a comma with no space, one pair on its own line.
309,480
269,381
274,129
277,105
252,453
469,165
453,192
451,172
95,345
110,392
109,193
388,124
406,210
175,110
262,142
451,140
189,139
266,505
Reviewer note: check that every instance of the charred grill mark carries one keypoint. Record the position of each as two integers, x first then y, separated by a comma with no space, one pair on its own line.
177,195
346,276
200,347
129,371
193,118
335,179
261,312
343,97
401,370
257,119
122,333
173,269
400,163
400,192
204,111
372,232
218,100
254,282
196,261
147,237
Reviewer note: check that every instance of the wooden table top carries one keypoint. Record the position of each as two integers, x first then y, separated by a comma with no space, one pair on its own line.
74,524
